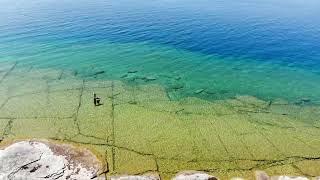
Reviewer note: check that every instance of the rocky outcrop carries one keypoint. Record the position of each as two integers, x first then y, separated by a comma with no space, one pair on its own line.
44,160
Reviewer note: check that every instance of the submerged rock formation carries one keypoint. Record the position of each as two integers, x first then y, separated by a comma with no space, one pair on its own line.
147,127
199,91
38,160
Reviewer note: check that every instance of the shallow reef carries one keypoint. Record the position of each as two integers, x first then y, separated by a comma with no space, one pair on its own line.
139,129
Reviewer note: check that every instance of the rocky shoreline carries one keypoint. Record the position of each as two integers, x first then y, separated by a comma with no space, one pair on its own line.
46,160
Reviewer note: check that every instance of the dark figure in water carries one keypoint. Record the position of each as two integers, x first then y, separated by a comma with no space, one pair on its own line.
96,100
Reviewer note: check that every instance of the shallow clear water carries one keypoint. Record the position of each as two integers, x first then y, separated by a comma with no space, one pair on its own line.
258,62
267,49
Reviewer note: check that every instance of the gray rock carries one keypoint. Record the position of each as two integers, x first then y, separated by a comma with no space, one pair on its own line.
237,178
36,160
193,175
288,178
137,177
261,175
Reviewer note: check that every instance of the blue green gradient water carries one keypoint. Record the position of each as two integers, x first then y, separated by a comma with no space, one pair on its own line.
267,49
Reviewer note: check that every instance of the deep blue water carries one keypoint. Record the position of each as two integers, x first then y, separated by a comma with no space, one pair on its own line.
246,33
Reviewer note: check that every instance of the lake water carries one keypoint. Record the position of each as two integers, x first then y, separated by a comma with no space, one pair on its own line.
267,49
222,86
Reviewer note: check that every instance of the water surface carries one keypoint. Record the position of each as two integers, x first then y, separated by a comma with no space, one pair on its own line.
267,49
227,87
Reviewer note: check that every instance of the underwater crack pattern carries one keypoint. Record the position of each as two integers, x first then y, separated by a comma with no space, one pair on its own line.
110,141
8,72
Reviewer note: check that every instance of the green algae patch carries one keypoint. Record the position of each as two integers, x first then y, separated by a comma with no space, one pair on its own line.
128,162
311,168
55,104
5,128
139,128
45,128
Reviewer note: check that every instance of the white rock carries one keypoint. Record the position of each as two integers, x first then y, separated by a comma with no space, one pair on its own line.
261,175
36,160
288,178
236,178
142,177
194,175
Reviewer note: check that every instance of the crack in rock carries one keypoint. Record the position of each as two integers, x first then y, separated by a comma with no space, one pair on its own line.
8,72
12,174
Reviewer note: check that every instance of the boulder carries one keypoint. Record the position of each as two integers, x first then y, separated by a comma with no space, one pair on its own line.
237,178
261,175
193,175
137,177
34,160
288,178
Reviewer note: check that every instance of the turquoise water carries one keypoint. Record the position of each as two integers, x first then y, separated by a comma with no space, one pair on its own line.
221,49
